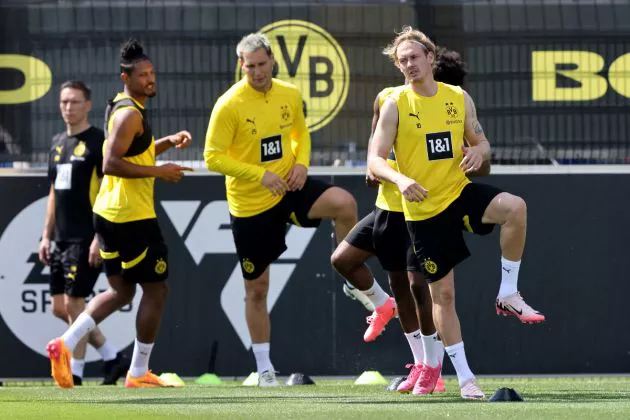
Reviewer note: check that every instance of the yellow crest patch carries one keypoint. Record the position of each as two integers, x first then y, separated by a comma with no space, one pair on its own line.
80,149
248,266
160,266
430,266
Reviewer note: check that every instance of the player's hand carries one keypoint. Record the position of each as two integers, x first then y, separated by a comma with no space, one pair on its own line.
371,180
275,184
411,190
44,251
172,172
297,177
94,257
181,140
473,159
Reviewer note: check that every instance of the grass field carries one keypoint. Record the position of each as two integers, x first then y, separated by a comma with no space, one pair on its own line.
555,398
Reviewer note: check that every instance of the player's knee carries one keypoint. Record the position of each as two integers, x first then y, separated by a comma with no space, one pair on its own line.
345,206
124,292
340,261
517,210
444,297
257,293
60,312
159,291
399,283
74,306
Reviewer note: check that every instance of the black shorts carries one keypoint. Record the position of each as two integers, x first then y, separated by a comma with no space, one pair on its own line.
392,242
134,249
361,234
259,239
439,241
384,234
70,271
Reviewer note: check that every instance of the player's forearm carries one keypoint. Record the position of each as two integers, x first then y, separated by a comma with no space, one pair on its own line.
162,145
49,227
115,166
369,146
381,169
226,165
49,221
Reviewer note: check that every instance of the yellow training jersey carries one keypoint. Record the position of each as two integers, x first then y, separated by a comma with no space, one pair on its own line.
251,132
388,197
122,200
428,146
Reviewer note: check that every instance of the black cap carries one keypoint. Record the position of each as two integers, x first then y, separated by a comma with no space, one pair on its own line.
505,394
393,385
299,379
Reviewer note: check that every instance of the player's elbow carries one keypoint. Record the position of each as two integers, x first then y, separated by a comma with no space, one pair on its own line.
372,162
109,165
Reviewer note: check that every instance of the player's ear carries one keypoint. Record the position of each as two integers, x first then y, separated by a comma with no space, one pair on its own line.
124,77
88,105
431,57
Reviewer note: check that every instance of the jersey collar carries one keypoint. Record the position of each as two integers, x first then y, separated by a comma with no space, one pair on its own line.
121,95
256,93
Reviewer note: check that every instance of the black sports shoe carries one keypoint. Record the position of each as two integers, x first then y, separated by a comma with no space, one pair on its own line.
77,380
115,369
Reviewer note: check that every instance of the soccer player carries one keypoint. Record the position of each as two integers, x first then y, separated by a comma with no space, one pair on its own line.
75,172
383,239
131,243
258,138
426,122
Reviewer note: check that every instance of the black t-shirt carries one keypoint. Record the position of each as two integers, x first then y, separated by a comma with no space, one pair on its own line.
74,169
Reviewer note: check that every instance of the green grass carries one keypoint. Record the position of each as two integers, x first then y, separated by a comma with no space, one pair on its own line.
556,398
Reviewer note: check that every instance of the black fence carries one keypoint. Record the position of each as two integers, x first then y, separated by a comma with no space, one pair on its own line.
551,79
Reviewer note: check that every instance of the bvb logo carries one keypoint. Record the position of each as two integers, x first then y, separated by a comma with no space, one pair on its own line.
310,58
430,266
160,266
284,112
451,110
79,150
248,266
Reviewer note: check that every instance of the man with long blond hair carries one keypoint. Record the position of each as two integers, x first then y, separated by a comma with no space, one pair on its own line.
425,122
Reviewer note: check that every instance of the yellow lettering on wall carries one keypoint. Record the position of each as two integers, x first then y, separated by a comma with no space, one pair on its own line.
37,78
544,70
619,75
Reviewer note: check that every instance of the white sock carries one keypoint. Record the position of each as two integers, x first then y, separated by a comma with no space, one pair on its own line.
107,351
440,347
509,277
79,328
458,358
417,348
140,358
431,350
376,295
77,366
261,353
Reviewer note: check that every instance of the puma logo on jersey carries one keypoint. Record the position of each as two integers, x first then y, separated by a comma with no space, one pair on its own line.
253,123
417,116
